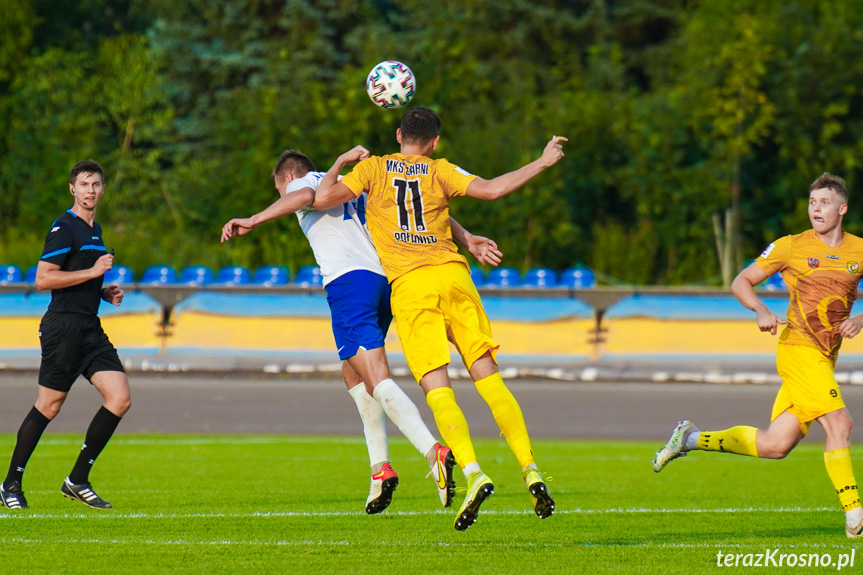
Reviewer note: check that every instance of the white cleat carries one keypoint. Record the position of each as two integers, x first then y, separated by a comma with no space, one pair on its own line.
441,471
854,531
676,446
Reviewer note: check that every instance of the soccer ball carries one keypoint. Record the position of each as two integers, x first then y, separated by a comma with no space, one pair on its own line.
391,84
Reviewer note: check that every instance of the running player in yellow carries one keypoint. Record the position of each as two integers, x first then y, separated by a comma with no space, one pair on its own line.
822,268
433,298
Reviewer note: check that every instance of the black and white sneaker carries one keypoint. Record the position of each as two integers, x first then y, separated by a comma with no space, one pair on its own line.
13,497
85,494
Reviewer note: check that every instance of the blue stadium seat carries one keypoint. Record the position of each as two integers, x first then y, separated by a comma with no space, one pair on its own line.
159,275
540,277
119,275
271,276
10,274
578,278
30,276
477,275
503,277
309,276
196,275
234,275
775,283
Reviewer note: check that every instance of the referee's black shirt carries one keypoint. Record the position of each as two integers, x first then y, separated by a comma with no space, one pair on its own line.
73,245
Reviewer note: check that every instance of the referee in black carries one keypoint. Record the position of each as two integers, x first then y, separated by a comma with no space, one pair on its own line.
72,266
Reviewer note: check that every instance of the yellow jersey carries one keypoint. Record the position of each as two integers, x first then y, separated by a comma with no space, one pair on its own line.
408,209
822,286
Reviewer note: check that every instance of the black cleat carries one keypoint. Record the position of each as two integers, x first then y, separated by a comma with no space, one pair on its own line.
13,497
543,504
85,494
480,488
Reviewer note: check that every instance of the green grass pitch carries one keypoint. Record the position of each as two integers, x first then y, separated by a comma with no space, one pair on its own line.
276,504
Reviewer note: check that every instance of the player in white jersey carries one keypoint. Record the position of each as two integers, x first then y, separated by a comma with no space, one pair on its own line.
359,298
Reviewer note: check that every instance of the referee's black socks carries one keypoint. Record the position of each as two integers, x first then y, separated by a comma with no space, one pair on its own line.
100,431
28,436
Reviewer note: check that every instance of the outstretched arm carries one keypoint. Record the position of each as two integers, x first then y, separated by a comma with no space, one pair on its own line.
287,204
508,183
331,192
743,288
483,249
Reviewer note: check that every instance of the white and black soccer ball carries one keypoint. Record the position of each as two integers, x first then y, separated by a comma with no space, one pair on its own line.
391,84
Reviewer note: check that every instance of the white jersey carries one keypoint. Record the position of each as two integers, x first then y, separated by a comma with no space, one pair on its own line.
339,237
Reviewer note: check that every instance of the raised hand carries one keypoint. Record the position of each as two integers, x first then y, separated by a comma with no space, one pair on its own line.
354,155
484,250
553,151
237,227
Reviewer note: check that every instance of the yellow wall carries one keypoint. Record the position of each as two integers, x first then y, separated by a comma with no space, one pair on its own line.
124,330
646,335
202,330
623,336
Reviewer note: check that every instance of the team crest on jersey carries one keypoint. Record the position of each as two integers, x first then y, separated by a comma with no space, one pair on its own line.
813,263
853,267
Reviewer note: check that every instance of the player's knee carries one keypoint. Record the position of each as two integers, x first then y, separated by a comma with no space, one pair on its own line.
775,449
839,426
49,410
780,453
119,406
125,406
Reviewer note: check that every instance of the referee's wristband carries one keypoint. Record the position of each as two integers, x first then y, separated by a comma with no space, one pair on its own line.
102,293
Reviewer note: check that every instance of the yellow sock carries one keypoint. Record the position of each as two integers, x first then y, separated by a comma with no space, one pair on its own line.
838,464
739,440
508,416
452,424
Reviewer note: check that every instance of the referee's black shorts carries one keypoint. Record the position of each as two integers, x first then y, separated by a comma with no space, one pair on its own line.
73,345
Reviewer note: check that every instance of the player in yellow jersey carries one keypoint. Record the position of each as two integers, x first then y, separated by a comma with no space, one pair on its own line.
433,298
822,268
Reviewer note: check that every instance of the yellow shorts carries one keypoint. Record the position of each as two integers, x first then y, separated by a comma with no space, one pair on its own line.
809,389
434,305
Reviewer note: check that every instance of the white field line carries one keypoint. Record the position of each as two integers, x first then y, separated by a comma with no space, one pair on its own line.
366,544
23,515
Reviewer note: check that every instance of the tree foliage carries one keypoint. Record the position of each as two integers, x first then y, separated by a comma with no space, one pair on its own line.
675,112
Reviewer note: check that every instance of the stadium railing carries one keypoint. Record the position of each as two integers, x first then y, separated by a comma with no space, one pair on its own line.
163,284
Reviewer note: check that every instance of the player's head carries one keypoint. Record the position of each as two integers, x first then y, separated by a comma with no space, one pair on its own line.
290,165
828,202
86,184
420,128
88,167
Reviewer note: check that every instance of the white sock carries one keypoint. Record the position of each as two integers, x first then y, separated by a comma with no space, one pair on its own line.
854,516
374,424
470,468
692,441
404,413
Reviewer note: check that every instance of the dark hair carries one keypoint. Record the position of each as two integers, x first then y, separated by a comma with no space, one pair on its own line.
295,162
832,182
420,126
88,167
